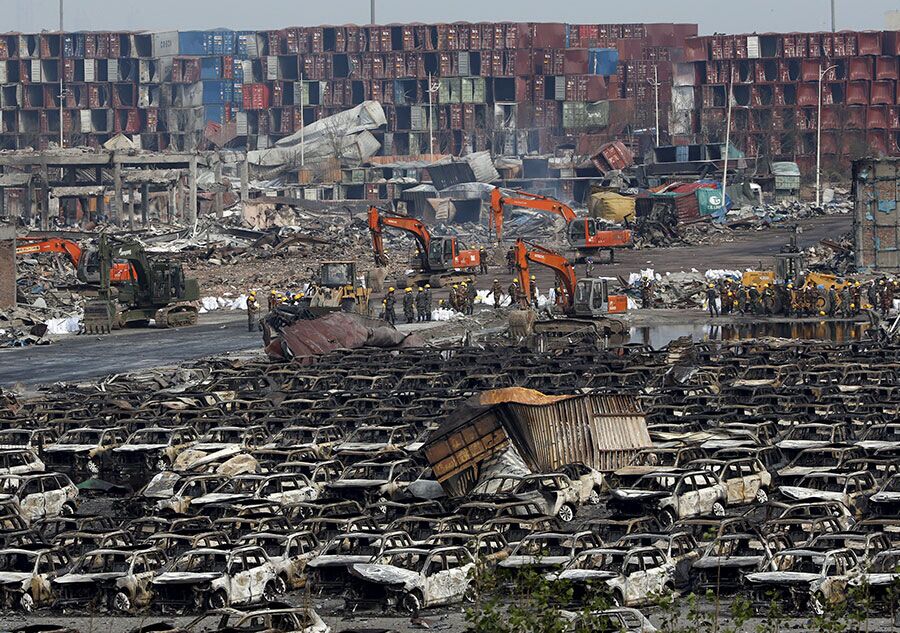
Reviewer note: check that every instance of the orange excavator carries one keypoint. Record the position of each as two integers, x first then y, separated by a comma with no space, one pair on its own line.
119,272
438,259
585,303
585,235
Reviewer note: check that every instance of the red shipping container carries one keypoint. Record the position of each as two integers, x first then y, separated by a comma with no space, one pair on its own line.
831,116
858,93
829,143
877,118
882,93
808,94
256,97
869,43
861,69
877,142
696,49
894,117
886,68
856,118
575,61
809,69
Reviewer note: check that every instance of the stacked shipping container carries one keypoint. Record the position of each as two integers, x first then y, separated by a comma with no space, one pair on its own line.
775,93
511,87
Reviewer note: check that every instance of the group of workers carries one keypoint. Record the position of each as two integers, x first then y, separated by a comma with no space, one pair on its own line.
462,297
842,298
416,307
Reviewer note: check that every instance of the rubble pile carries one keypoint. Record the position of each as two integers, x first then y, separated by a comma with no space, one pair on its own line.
332,475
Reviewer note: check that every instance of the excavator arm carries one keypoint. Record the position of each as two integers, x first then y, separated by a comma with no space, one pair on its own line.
377,222
26,246
565,272
527,201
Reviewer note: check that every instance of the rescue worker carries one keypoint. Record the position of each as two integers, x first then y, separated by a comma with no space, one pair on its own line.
272,299
511,260
646,293
409,310
497,291
420,305
252,312
767,300
887,298
471,294
753,303
725,297
846,300
832,301
389,302
482,260
589,267
453,299
514,292
534,292
711,296
855,298
427,301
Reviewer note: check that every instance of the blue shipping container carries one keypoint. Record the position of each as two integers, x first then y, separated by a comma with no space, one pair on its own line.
218,92
192,43
237,96
214,113
603,61
399,93
681,153
211,68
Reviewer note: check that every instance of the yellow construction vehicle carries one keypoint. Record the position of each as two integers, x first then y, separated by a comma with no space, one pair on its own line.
338,288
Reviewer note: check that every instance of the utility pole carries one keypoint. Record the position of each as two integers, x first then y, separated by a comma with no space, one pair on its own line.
727,139
302,125
822,74
372,11
431,89
833,27
655,84
62,92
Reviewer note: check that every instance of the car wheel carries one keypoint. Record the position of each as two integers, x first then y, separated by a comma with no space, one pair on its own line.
618,599
121,602
93,468
26,603
718,509
412,602
162,464
667,518
281,585
270,593
469,595
67,510
218,600
594,497
817,604
762,497
566,513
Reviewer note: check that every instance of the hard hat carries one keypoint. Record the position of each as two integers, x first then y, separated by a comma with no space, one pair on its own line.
391,289
790,285
455,286
821,312
852,305
857,284
428,285
463,283
273,292
532,277
496,281
515,281
710,286
300,295
408,289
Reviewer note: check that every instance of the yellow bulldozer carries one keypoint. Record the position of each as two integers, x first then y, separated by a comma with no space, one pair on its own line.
338,288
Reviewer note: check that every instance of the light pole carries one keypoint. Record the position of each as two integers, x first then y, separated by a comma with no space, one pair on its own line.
655,84
727,140
62,56
822,74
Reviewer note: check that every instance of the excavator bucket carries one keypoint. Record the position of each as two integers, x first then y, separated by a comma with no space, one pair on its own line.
99,316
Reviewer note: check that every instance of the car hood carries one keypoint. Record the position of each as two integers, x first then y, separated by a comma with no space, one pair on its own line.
782,577
71,579
335,560
801,444
14,577
885,497
800,493
386,575
134,448
533,561
218,497
358,483
635,494
575,575
70,448
185,577
714,562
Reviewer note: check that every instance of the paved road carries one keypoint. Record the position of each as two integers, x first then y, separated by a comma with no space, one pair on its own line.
79,357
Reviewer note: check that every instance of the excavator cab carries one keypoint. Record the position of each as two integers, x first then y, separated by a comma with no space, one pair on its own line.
588,234
444,254
592,299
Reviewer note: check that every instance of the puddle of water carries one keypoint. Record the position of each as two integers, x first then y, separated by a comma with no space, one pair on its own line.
661,335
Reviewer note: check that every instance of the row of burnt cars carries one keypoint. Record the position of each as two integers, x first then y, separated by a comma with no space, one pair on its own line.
773,472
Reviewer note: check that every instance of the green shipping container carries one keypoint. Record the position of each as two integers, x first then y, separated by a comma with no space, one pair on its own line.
709,200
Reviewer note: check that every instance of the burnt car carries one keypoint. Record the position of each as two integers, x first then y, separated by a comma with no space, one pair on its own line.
151,449
329,569
724,562
289,553
217,578
413,579
115,579
672,495
20,461
39,496
373,481
83,451
26,576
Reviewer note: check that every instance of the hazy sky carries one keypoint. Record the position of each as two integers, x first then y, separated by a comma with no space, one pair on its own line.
729,16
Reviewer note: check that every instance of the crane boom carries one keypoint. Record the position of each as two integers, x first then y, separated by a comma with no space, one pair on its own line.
528,201
565,272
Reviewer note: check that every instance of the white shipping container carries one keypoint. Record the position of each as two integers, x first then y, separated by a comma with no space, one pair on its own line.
112,70
240,123
272,68
143,96
36,71
90,71
559,88
753,47
165,44
85,121
247,71
463,66
3,73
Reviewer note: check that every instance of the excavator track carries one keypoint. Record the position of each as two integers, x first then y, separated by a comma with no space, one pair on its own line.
176,315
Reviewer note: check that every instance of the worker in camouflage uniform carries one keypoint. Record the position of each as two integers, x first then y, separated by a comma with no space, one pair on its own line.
711,296
389,302
497,292
409,310
511,260
482,261
252,312
420,305
515,294
427,302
